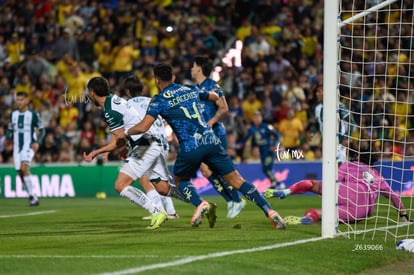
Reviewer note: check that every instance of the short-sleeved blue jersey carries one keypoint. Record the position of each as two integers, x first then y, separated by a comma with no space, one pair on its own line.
209,107
263,136
180,106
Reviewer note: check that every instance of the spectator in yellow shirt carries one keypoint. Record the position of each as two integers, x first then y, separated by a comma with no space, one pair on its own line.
150,89
64,65
124,56
76,82
105,61
24,84
100,44
244,30
250,105
291,129
309,42
64,9
68,113
15,49
402,109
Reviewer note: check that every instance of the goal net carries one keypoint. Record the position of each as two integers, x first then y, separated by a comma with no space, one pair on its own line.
374,43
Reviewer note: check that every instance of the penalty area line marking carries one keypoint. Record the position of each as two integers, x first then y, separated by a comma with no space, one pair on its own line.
28,214
209,256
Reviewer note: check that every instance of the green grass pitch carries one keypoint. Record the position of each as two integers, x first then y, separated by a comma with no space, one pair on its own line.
108,236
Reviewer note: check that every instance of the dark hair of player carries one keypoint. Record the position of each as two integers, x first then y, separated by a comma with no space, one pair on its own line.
99,85
205,63
134,85
363,154
164,72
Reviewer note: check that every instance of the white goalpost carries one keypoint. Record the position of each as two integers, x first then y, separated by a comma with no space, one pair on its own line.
369,75
329,143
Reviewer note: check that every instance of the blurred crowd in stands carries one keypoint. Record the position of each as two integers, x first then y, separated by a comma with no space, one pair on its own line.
50,49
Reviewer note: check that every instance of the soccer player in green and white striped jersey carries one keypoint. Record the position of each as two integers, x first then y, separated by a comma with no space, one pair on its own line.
344,128
27,130
133,87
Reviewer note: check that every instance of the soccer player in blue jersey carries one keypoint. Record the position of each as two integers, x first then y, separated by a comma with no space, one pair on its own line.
213,112
266,137
180,106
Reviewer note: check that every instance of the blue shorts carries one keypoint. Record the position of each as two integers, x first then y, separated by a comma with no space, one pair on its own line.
223,139
187,164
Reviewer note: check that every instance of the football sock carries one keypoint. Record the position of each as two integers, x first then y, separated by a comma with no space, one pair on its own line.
139,198
233,191
29,186
251,193
271,177
190,192
173,192
313,214
155,197
301,187
218,184
168,204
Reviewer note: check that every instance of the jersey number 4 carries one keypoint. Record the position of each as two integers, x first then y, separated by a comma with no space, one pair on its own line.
196,113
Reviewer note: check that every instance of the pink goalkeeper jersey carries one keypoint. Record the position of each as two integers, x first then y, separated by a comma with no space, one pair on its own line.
359,187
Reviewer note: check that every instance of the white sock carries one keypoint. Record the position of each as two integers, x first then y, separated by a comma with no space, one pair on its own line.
155,197
168,205
29,186
138,197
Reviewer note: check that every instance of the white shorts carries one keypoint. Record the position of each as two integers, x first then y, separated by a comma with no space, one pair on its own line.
160,170
148,160
25,155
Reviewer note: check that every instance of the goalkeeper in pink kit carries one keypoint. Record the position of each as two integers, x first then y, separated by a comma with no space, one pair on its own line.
359,185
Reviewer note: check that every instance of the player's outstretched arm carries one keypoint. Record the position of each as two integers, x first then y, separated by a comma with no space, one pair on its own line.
141,127
387,192
111,146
